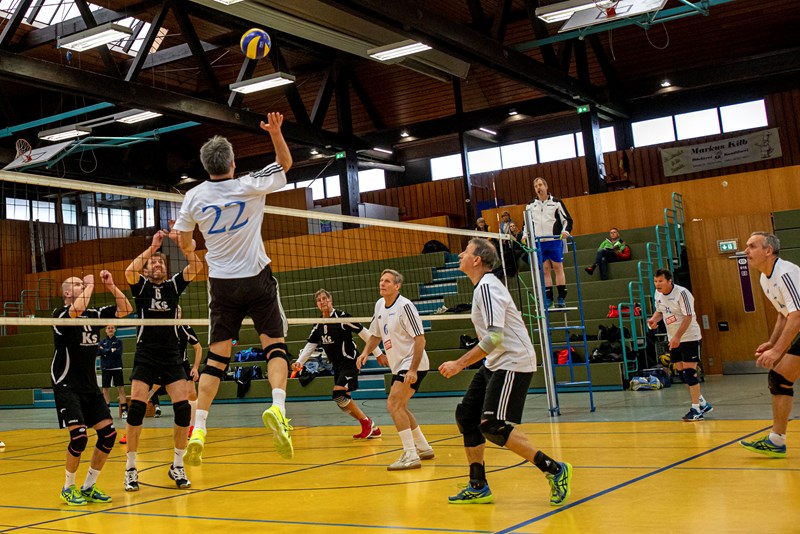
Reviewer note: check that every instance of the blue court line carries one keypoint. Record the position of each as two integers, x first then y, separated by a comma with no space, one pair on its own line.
627,483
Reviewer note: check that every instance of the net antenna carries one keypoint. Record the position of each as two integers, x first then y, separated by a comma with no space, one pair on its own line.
24,150
608,7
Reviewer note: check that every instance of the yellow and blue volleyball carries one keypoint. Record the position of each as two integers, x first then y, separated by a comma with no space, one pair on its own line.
255,43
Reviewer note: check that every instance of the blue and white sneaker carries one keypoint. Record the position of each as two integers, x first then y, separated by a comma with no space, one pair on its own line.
470,495
694,415
706,408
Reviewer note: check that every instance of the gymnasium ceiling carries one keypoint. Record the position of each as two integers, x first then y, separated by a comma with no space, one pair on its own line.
496,53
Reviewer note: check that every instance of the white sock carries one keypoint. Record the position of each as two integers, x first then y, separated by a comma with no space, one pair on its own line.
419,439
200,419
193,404
130,463
91,478
70,480
279,399
177,461
408,440
702,401
696,407
777,439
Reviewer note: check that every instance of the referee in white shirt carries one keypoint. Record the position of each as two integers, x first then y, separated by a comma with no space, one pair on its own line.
229,212
494,401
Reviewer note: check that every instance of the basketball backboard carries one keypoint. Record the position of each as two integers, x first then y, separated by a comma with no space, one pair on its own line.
38,156
623,10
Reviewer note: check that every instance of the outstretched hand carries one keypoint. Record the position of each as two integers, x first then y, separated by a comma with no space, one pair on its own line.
273,124
107,279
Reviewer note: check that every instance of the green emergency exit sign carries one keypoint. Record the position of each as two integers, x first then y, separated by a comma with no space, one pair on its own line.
583,109
340,155
726,246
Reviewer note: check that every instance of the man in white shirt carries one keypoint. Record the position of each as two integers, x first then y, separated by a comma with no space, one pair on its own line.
229,212
780,281
675,305
495,399
396,322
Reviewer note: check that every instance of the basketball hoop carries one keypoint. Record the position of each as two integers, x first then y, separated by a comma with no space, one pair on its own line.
607,7
24,150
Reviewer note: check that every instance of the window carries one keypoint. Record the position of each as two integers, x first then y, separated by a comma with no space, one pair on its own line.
120,218
68,213
518,154
43,211
446,167
286,187
556,148
101,214
17,209
697,123
316,186
371,180
485,160
743,116
140,218
332,187
653,132
608,141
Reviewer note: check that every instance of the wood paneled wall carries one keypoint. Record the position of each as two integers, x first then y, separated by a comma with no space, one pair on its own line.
15,258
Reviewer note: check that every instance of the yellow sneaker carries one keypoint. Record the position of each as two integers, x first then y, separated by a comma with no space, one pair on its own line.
194,450
275,420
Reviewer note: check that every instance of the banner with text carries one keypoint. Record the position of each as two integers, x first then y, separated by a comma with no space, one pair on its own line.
734,151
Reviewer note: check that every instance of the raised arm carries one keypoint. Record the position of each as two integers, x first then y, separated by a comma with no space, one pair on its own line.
187,246
132,270
273,126
124,307
81,302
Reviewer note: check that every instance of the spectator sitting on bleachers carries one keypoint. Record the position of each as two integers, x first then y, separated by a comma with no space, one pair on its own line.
481,226
612,249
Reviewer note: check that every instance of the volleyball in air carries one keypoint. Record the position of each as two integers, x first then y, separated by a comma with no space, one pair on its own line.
255,43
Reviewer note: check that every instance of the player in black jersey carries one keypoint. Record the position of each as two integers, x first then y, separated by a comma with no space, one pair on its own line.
79,401
337,340
157,360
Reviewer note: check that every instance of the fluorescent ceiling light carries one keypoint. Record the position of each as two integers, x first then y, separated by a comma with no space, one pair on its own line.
666,83
65,132
385,151
133,116
512,112
404,133
314,151
562,10
487,130
396,50
228,2
94,37
264,82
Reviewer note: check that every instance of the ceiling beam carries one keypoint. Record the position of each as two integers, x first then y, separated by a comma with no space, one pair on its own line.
13,23
187,29
105,53
54,77
138,62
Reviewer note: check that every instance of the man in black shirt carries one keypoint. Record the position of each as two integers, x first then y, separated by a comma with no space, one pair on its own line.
110,352
157,360
79,402
337,340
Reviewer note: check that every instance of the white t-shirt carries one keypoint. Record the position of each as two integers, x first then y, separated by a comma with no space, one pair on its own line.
229,214
674,306
782,287
492,305
397,326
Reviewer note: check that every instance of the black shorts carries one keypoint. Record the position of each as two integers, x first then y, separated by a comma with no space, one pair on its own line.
496,395
231,300
794,350
158,374
112,377
687,351
80,407
401,376
346,376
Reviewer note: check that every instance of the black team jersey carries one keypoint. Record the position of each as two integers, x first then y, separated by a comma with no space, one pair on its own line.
337,339
76,349
186,336
158,344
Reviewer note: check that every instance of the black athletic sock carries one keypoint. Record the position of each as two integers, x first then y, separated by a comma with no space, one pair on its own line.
548,293
546,464
562,292
477,475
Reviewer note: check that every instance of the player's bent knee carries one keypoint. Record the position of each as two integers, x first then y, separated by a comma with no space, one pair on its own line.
77,441
277,350
183,413
690,377
496,431
106,437
778,385
341,398
136,412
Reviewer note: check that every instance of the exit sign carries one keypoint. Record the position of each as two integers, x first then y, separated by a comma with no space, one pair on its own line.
340,155
726,246
583,109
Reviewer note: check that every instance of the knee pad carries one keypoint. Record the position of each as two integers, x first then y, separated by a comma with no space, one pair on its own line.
136,412
496,431
690,377
468,428
106,437
277,350
183,413
77,441
340,397
215,371
778,385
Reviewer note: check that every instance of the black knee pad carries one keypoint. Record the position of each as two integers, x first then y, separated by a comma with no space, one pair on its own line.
341,398
136,412
690,377
778,385
277,350
215,371
469,428
77,441
496,431
106,437
183,413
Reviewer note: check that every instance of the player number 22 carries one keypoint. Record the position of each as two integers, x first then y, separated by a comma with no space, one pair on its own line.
218,213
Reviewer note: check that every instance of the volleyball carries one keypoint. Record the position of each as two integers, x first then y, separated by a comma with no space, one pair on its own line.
255,43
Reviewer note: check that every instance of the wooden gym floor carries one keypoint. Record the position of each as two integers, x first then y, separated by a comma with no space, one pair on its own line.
638,468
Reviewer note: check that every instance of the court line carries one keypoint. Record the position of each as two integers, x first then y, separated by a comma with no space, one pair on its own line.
626,483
